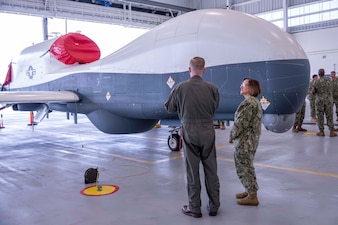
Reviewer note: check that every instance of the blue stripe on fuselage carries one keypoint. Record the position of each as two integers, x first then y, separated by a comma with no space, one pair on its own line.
284,83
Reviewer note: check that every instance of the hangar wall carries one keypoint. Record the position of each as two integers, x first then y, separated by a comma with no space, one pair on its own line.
197,4
183,3
321,47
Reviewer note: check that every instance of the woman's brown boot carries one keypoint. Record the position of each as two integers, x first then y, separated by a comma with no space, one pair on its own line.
251,199
241,195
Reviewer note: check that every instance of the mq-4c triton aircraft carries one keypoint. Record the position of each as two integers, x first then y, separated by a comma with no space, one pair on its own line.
125,91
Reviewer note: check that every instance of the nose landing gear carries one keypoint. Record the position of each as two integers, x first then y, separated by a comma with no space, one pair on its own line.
174,140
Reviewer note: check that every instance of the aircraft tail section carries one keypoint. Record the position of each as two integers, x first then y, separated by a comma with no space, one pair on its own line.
8,78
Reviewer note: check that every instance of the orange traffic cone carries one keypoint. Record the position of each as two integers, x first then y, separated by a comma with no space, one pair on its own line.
1,123
31,119
158,125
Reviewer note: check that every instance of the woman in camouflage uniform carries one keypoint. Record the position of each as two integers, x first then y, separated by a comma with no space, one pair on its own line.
245,135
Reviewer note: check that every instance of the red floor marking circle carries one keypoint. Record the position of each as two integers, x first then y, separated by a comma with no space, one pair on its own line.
99,190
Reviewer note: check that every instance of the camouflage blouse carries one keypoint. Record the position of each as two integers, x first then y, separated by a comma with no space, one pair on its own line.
323,88
247,126
335,88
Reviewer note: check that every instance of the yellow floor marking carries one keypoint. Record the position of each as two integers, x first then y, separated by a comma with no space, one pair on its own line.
298,170
287,168
99,190
181,155
148,161
130,158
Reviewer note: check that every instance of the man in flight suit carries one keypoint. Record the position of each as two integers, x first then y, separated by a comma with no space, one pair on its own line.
195,102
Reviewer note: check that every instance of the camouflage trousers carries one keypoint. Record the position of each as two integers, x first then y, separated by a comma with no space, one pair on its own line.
313,107
245,169
300,116
335,103
324,108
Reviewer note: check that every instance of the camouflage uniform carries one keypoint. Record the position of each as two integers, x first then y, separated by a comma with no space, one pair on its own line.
300,116
324,102
335,94
195,102
245,134
312,99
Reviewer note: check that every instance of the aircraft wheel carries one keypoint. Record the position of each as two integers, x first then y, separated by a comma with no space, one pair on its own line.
173,142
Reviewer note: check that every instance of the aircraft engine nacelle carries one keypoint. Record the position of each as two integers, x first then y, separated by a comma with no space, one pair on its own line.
27,107
41,110
278,123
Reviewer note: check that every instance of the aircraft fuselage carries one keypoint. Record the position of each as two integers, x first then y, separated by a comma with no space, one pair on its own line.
124,92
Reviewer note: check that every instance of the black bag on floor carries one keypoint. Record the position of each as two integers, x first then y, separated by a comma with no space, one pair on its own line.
91,175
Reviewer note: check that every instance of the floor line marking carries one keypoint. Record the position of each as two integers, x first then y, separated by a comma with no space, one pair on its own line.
220,158
287,168
135,159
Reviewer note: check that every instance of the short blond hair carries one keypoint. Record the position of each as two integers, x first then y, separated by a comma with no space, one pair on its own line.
197,63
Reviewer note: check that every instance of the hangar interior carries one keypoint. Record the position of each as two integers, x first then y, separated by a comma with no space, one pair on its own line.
42,167
307,20
293,16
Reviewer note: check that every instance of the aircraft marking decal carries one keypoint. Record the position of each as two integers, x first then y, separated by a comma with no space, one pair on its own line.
30,72
170,82
108,95
264,103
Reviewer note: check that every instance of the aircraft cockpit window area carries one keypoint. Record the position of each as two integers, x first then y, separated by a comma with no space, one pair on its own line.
75,48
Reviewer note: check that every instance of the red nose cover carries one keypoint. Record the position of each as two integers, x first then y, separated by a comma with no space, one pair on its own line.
75,47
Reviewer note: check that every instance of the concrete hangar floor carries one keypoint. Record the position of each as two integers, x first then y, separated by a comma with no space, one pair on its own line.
42,177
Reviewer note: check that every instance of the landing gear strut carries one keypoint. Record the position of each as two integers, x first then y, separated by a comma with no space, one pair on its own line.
174,140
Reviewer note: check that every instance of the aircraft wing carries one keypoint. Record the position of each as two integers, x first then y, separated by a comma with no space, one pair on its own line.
10,97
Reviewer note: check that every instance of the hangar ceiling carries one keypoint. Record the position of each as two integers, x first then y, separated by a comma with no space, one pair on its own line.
136,13
143,13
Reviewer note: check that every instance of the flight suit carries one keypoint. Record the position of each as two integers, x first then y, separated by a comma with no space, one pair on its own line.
245,135
195,102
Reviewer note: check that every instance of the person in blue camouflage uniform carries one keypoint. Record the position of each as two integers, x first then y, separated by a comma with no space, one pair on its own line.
312,98
335,91
297,126
195,102
245,135
323,89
